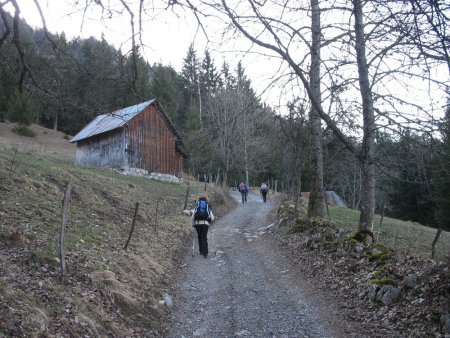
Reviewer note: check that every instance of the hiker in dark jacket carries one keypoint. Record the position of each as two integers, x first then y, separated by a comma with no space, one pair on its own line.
201,224
264,189
243,189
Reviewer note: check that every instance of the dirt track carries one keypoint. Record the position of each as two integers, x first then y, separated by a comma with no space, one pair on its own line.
245,287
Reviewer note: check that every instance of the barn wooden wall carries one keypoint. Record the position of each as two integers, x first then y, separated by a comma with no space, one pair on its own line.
105,150
151,144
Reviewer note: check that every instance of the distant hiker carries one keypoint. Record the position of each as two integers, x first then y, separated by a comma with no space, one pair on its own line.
201,219
264,189
244,191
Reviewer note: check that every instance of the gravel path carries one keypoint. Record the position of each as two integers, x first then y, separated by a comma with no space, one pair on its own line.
245,287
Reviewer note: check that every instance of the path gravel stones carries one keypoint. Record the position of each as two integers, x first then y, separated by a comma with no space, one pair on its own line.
245,287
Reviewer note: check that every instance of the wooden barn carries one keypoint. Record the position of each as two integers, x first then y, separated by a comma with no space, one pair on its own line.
141,136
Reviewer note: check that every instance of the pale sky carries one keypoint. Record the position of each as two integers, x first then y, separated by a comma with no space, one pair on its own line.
166,38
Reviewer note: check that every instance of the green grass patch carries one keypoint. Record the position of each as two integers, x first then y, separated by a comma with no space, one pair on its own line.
407,237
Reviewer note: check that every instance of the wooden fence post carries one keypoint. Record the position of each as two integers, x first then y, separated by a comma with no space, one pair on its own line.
65,208
438,234
381,219
156,216
326,203
198,183
187,195
132,226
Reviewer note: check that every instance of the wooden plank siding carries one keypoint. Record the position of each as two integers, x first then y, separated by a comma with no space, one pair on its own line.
153,144
104,150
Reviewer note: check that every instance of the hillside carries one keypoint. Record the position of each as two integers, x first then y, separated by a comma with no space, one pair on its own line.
46,141
107,291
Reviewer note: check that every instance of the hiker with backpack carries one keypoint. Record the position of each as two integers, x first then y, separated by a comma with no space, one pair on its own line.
243,189
264,189
201,219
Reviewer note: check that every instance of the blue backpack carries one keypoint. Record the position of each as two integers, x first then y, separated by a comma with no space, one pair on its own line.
202,211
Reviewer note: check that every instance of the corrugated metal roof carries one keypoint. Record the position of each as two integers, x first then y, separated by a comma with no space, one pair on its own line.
107,122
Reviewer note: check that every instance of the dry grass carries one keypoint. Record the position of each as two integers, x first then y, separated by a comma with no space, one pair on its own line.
108,291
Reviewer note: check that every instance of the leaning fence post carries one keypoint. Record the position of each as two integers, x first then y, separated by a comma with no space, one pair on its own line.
326,203
433,246
381,219
187,195
132,225
65,207
156,216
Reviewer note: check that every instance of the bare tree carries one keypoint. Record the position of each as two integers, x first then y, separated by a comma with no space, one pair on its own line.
316,206
369,127
373,48
223,127
294,136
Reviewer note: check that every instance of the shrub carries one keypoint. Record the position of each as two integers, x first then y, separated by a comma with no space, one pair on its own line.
23,130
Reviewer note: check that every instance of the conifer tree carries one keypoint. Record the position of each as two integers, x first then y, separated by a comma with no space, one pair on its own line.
166,86
190,70
20,108
209,77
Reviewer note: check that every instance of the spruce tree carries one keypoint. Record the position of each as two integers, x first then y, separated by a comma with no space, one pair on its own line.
166,87
20,109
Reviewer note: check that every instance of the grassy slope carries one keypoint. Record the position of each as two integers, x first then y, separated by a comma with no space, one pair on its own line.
407,237
108,291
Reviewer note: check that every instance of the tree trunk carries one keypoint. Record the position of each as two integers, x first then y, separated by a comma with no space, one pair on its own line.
55,121
316,205
199,104
298,188
367,151
225,179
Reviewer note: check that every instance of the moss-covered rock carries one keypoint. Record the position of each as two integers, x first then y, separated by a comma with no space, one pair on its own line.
380,256
361,235
380,247
378,274
385,256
